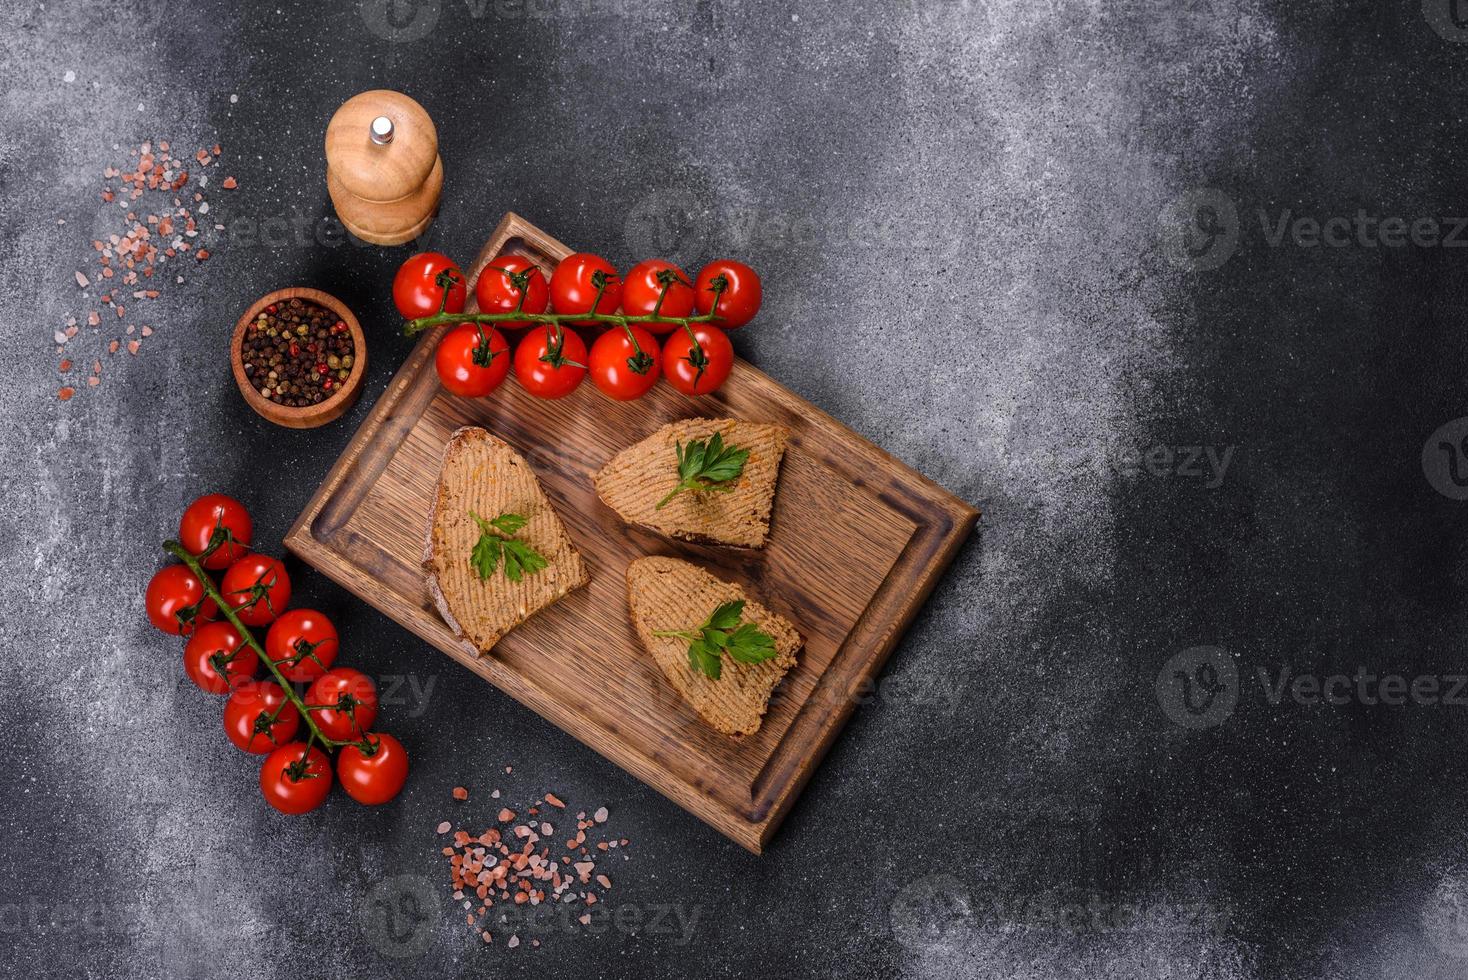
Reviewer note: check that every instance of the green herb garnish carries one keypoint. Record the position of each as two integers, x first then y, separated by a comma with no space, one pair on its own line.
707,466
496,541
723,633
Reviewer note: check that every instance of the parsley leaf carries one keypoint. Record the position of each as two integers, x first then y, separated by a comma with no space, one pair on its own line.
707,465
486,555
496,542
723,633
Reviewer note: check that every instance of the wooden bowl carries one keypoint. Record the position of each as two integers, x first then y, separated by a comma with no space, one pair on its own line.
309,416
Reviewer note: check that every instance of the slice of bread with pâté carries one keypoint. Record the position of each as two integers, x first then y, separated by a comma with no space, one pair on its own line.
659,484
491,515
670,596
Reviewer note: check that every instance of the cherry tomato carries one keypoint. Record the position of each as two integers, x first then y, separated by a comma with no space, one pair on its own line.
574,285
646,283
374,778
472,359
258,588
295,779
498,289
415,289
216,658
738,301
356,698
302,643
682,363
175,601
258,717
209,513
615,362
549,368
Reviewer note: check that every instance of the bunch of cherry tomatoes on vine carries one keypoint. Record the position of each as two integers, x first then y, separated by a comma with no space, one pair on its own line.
310,707
656,322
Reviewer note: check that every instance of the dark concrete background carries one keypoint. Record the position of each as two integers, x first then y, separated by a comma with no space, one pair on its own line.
1031,249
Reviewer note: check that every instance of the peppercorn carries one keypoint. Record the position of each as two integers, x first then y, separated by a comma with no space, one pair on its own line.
295,355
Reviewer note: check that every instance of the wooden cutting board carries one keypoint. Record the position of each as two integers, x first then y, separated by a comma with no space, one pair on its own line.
857,542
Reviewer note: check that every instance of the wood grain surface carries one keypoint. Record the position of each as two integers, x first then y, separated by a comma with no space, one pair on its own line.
857,542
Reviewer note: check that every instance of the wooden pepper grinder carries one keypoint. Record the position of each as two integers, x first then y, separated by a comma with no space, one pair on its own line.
383,170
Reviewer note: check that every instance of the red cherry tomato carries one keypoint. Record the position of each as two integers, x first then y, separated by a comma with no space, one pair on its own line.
472,359
647,282
258,588
415,289
497,292
691,373
258,717
615,362
547,367
738,301
216,658
574,285
374,778
207,514
295,779
303,644
355,696
175,601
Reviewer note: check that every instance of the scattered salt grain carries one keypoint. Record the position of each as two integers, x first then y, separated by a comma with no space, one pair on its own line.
460,793
600,816
69,77
445,827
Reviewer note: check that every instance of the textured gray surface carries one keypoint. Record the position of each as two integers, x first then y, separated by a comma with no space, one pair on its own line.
956,208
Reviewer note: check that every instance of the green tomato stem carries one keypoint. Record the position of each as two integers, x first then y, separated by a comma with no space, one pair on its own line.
178,551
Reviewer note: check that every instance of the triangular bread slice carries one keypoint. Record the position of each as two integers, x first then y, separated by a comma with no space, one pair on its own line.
484,474
669,594
639,476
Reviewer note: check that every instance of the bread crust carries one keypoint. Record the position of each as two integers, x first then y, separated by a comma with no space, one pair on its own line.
457,442
635,479
735,704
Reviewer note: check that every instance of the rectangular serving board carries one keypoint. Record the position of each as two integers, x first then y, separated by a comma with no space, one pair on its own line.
857,542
